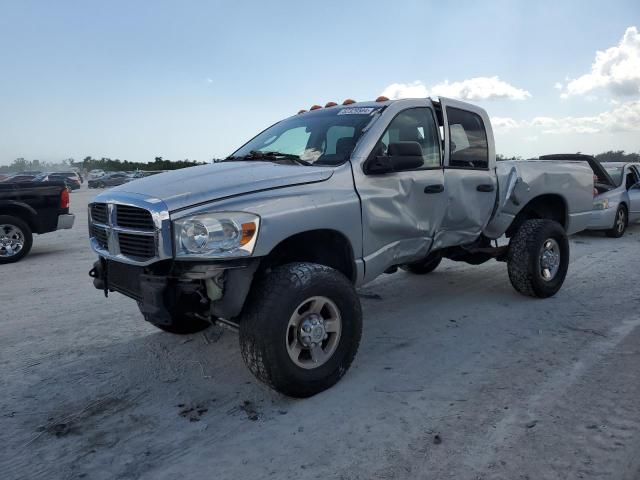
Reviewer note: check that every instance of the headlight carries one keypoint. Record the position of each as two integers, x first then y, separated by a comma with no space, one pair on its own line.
216,235
601,204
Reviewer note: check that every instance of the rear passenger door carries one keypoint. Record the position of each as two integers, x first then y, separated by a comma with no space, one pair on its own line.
469,174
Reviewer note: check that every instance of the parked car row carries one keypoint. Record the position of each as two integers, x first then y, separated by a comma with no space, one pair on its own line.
113,179
109,180
73,180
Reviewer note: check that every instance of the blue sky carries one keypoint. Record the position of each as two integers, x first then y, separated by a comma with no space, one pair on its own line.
192,79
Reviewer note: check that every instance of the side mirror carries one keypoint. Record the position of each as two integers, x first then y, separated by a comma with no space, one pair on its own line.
401,156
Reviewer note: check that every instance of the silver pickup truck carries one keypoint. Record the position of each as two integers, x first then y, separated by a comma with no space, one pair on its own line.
275,239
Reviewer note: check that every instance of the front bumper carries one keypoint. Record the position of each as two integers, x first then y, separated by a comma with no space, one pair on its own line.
602,219
65,222
161,290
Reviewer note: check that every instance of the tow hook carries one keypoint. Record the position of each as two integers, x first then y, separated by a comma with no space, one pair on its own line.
99,275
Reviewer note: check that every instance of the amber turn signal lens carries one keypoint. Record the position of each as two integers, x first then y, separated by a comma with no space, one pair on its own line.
248,231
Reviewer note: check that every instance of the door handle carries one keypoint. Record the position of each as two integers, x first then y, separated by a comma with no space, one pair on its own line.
437,188
485,188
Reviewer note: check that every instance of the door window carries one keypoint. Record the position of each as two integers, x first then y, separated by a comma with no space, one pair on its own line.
468,146
414,125
632,178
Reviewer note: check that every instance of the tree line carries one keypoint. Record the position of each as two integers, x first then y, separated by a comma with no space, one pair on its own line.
610,156
90,163
159,163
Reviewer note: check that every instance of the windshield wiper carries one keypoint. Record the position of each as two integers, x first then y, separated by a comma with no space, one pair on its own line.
270,156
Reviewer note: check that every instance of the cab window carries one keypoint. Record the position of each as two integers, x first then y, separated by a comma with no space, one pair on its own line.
414,125
468,146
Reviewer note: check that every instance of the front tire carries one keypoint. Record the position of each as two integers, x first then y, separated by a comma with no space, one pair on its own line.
16,239
620,223
424,266
301,328
538,258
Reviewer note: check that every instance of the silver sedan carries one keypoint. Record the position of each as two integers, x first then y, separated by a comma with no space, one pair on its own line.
617,203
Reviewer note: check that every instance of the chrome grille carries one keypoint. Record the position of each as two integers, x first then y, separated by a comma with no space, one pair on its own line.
130,230
99,213
134,217
137,246
100,234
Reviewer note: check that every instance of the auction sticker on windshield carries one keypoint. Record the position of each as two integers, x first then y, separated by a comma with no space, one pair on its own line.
356,111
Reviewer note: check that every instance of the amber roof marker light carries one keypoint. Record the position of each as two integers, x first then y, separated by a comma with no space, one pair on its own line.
382,98
330,104
301,111
348,101
315,107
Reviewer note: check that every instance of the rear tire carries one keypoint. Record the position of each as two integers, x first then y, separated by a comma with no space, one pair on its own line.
301,328
16,239
620,223
538,258
424,266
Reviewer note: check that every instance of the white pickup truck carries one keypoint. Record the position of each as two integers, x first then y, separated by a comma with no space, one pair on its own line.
275,239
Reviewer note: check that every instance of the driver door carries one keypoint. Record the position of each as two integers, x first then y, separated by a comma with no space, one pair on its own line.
402,209
634,194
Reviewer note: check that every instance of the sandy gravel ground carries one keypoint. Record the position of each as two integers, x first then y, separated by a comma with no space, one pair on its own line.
458,377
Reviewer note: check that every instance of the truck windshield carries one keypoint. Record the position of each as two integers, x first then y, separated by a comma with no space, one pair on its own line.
319,137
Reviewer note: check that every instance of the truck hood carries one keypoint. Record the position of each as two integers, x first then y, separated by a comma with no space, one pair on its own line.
197,185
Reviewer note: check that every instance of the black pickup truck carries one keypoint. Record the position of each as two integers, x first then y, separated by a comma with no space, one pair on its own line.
28,208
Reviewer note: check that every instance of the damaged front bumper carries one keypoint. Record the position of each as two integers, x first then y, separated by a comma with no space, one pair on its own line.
162,290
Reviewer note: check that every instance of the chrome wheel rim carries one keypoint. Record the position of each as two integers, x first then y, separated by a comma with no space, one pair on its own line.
549,259
620,221
313,332
11,240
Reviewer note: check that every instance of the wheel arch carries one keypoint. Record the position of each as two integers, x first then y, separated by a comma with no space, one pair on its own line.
549,206
625,205
323,246
22,211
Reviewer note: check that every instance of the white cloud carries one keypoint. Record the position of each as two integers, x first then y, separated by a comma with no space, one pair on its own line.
557,86
406,90
623,118
504,124
617,69
478,88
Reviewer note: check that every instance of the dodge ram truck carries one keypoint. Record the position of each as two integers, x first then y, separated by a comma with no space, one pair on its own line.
28,208
274,240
